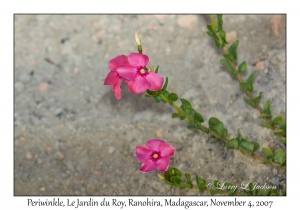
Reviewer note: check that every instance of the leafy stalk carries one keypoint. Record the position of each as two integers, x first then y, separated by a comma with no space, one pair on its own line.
173,177
216,127
215,30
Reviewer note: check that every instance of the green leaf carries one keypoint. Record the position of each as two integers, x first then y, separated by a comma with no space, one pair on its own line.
182,117
186,104
267,109
198,117
147,95
170,103
191,127
228,57
228,67
251,77
173,96
213,121
222,35
283,140
201,184
278,156
188,178
218,128
189,183
251,187
233,143
174,115
210,29
151,93
176,179
258,98
165,85
273,192
215,191
242,67
268,153
267,125
232,49
240,136
230,187
256,146
220,22
278,121
247,145
224,133
216,183
184,186
281,123
156,70
176,172
157,99
166,93
246,86
249,101
261,192
169,183
279,132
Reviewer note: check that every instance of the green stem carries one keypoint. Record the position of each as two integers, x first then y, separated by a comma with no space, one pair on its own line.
205,129
248,93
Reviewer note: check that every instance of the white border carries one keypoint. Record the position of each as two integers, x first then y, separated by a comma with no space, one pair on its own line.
8,201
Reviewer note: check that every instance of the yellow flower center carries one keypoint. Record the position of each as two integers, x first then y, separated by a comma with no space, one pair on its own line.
142,71
155,156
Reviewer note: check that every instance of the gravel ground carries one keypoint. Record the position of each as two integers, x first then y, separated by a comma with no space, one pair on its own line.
72,137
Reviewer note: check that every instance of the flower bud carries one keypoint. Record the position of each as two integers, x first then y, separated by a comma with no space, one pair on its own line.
137,39
161,176
138,42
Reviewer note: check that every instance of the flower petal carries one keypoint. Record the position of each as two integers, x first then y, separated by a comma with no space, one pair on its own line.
117,88
111,78
127,72
138,60
148,165
142,153
163,164
155,80
114,63
138,85
154,144
166,150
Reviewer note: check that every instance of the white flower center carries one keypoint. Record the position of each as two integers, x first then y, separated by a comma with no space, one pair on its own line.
155,156
142,71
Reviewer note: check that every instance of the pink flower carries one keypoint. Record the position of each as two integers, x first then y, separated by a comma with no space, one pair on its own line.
137,76
156,154
113,77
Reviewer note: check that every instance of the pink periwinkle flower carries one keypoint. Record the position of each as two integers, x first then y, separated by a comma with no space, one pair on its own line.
156,154
137,76
113,77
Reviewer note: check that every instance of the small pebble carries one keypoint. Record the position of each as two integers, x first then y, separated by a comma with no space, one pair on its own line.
43,86
277,23
28,155
42,189
231,36
260,65
58,156
158,134
19,86
111,149
25,78
275,171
